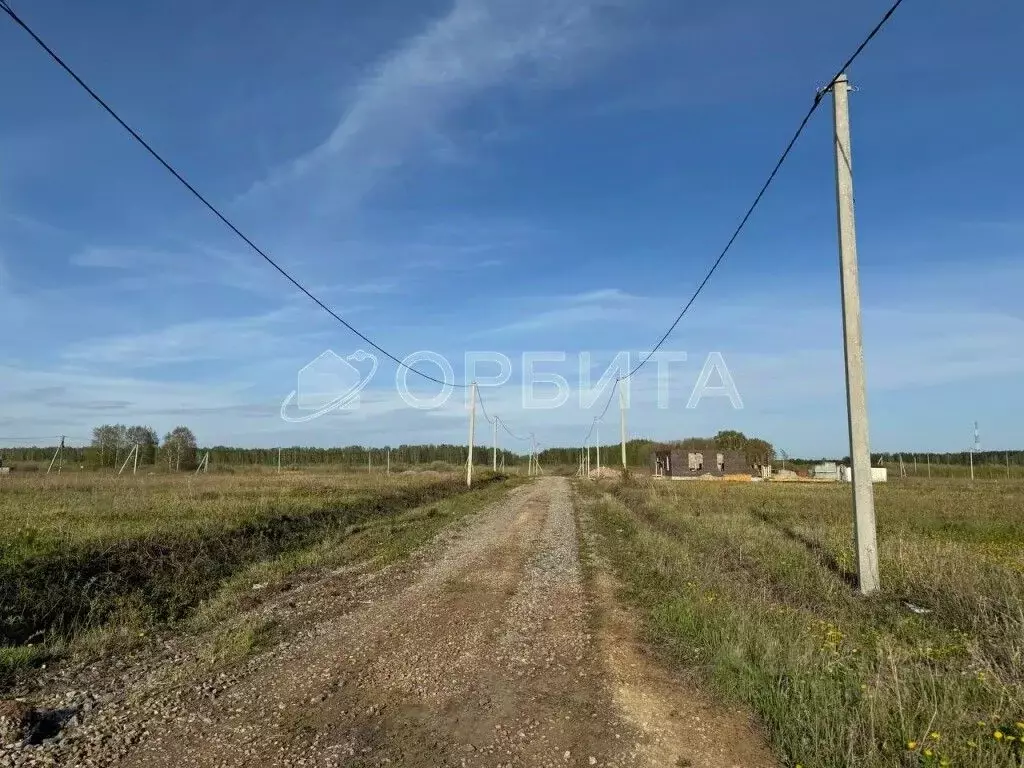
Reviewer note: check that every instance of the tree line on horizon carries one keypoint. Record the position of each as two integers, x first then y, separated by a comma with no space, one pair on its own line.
178,450
639,451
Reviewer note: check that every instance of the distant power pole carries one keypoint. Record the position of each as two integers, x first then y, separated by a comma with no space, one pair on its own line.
57,454
494,451
975,447
856,385
597,439
622,422
472,431
278,459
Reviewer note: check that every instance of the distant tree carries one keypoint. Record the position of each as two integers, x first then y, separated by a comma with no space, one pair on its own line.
730,440
108,443
759,451
147,439
180,449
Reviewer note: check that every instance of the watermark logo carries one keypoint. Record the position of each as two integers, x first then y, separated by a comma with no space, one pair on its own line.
329,383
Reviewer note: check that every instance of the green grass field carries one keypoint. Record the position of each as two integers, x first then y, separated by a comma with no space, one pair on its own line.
47,513
81,553
750,586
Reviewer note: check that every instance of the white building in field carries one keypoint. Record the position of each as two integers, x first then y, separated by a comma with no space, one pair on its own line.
878,475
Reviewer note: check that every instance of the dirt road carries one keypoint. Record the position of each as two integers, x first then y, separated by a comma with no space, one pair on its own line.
489,649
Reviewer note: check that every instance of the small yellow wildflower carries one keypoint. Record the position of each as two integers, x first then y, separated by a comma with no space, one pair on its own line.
982,723
972,743
944,761
935,735
998,735
911,745
1020,726
928,753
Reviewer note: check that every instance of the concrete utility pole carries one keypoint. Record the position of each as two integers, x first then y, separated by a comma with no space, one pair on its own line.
597,439
278,459
472,432
622,422
494,453
57,454
856,385
975,447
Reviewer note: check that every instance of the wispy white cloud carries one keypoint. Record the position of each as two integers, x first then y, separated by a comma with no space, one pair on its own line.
198,264
603,305
224,340
407,99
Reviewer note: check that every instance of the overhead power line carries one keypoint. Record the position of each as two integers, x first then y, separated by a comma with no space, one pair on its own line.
512,434
483,408
767,184
607,405
498,419
210,206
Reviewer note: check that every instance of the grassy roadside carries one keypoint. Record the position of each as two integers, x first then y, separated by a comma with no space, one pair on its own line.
90,592
749,586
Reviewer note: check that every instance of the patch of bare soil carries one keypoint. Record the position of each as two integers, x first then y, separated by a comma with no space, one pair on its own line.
478,652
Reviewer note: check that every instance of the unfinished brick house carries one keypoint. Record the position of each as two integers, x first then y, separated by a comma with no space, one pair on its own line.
694,461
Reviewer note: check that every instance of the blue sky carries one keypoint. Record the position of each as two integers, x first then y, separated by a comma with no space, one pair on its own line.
509,175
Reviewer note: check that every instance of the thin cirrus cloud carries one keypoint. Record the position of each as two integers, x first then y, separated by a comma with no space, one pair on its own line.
196,341
476,46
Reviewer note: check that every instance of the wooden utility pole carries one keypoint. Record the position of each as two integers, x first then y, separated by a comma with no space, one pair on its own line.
494,451
472,432
856,385
388,470
929,459
135,469
622,422
597,440
278,459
